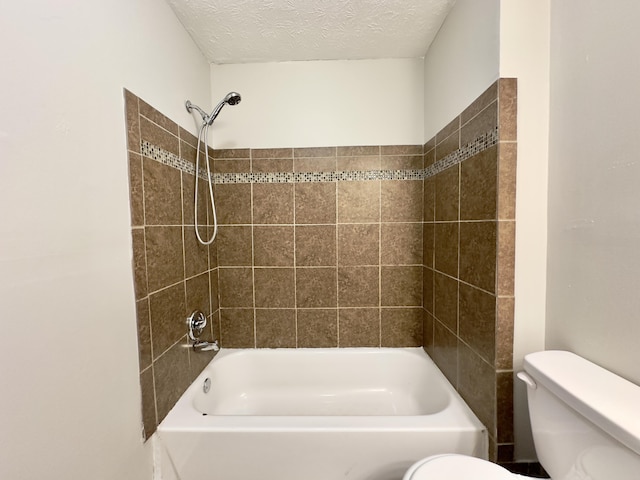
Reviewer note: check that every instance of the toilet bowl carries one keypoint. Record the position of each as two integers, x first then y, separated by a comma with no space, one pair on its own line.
457,467
584,422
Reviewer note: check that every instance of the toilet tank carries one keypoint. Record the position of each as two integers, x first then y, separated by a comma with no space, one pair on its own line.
585,419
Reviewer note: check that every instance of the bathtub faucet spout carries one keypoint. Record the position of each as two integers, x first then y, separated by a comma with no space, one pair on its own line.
204,346
195,324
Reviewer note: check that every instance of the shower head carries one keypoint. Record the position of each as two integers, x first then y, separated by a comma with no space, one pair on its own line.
232,98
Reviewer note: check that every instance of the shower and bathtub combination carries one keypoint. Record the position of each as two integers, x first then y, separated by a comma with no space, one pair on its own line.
316,414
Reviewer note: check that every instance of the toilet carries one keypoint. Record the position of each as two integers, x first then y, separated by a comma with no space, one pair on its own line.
585,422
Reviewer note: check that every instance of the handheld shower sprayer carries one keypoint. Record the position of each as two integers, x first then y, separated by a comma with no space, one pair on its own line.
232,98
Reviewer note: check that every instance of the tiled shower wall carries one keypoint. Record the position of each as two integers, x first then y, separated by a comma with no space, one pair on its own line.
332,247
316,250
173,274
469,240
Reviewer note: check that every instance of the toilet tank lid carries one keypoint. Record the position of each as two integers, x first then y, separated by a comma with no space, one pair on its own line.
606,399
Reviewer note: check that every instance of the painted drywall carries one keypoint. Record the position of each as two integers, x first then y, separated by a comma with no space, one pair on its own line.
594,219
70,406
524,54
320,103
462,62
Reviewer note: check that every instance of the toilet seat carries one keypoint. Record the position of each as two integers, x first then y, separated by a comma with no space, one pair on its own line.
457,467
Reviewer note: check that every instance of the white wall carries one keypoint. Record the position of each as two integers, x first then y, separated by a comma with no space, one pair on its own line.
320,103
70,402
524,54
594,200
462,62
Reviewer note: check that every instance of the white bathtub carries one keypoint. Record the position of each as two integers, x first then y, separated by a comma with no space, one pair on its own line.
316,414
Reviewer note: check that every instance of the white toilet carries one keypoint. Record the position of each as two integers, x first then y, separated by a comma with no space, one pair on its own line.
585,422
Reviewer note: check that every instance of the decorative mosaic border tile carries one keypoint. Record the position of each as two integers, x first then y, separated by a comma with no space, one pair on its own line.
478,145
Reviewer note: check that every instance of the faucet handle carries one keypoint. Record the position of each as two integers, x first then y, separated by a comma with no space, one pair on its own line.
196,323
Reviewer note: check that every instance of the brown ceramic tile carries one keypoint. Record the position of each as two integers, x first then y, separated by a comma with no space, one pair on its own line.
506,257
428,248
224,165
269,165
445,303
429,156
234,246
213,253
159,137
478,186
215,294
149,421
272,203
314,152
427,332
196,255
314,164
507,154
135,190
451,128
258,153
273,246
188,195
401,201
429,144
165,264
315,203
508,108
317,328
447,194
235,287
133,121
139,263
358,202
274,287
427,289
198,294
401,150
401,286
237,328
504,333
233,203
483,101
275,328
316,287
402,243
429,194
447,146
402,162
231,153
445,352
504,399
162,194
158,118
359,244
478,254
485,121
401,327
359,327
354,151
478,321
171,376
315,245
359,163
477,385
187,136
446,248
358,286
144,333
168,314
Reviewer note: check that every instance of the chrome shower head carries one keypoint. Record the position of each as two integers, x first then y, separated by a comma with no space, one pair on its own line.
232,98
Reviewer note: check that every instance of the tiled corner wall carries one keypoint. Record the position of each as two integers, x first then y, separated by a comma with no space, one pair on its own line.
387,246
469,248
173,274
320,247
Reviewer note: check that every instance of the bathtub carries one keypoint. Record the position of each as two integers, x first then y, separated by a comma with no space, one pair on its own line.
315,414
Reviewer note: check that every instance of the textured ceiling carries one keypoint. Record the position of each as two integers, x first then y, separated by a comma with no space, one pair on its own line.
243,31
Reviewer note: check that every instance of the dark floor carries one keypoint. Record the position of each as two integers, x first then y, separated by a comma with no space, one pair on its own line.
530,469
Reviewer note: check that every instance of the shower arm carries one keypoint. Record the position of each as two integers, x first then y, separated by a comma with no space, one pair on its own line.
190,106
